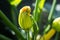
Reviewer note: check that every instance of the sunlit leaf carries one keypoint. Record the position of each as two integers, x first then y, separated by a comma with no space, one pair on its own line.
41,4
15,2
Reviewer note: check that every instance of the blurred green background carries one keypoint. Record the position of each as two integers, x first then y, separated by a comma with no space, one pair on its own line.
8,9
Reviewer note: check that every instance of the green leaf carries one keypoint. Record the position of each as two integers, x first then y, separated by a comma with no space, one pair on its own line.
11,25
2,37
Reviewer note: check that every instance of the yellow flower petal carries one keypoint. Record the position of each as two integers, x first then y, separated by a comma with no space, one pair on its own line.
49,35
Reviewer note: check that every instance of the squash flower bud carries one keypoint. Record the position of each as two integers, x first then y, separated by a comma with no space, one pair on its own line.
56,24
24,19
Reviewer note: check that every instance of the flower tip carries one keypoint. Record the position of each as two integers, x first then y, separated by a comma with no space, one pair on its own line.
25,9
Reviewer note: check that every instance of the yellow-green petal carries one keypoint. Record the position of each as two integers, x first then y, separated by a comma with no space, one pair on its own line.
41,4
56,24
24,19
15,2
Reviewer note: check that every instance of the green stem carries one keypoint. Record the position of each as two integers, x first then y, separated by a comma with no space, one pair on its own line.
28,35
34,21
35,37
52,10
36,29
11,25
13,15
35,17
2,37
51,13
35,24
56,38
36,9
